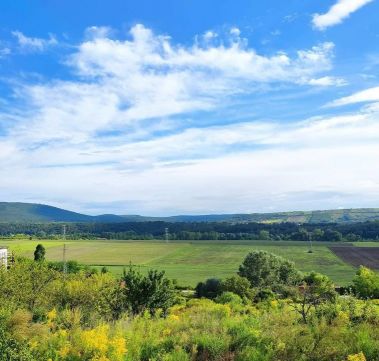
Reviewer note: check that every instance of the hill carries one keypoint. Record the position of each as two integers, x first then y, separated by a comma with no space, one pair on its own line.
15,212
319,216
31,212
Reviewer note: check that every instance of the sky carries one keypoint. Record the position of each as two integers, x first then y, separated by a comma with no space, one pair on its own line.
190,107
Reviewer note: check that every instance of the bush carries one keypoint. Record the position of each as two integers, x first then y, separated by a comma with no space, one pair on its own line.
210,289
152,292
366,283
12,350
238,285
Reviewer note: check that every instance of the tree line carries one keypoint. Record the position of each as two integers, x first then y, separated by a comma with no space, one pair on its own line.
330,232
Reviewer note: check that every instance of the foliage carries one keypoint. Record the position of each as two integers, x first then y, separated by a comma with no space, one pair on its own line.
265,269
82,316
238,285
71,266
315,290
366,283
151,292
27,285
211,230
211,288
11,349
39,253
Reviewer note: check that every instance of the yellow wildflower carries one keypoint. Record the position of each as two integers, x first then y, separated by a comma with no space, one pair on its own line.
173,317
357,357
119,347
52,315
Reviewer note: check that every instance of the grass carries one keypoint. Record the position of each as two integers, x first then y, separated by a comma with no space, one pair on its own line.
188,262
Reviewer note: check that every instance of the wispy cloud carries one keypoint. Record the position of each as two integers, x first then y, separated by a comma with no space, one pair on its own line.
364,96
34,44
127,123
328,81
123,82
337,13
4,52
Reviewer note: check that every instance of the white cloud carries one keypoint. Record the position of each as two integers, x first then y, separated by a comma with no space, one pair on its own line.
209,35
135,90
235,31
34,44
328,81
194,171
4,52
125,82
95,32
337,13
364,96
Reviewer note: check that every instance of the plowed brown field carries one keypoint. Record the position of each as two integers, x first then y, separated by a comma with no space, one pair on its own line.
358,256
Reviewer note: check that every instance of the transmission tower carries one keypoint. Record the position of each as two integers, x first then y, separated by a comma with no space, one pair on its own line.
166,234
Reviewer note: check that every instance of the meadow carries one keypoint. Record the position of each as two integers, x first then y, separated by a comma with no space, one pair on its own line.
188,261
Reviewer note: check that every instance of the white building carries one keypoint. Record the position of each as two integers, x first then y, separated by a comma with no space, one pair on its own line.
3,256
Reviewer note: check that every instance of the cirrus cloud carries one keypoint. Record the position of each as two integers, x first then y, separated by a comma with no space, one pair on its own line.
337,13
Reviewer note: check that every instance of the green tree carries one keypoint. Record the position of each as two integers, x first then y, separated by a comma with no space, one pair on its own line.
39,253
264,269
366,283
211,288
318,234
315,290
331,235
238,285
151,292
264,235
27,284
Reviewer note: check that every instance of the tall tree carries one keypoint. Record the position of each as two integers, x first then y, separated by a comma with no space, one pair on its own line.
39,253
264,269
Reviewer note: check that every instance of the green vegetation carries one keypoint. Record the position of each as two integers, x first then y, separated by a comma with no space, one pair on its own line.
194,231
366,283
46,314
263,269
188,262
39,253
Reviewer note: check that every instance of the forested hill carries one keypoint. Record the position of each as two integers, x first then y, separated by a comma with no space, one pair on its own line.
15,212
12,212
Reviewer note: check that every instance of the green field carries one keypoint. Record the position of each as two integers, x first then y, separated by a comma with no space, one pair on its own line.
188,262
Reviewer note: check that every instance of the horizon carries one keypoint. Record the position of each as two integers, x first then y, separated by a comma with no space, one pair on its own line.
191,214
176,108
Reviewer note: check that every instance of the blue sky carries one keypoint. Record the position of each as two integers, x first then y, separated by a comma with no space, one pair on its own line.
168,107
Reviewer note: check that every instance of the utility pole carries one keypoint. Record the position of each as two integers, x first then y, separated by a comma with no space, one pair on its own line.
166,234
310,242
64,251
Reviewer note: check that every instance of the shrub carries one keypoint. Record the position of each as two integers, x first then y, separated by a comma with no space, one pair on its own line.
210,289
366,283
238,285
152,292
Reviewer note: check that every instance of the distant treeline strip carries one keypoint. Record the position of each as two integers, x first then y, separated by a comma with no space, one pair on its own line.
197,231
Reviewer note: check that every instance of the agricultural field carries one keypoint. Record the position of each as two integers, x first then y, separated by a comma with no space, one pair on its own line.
190,261
356,256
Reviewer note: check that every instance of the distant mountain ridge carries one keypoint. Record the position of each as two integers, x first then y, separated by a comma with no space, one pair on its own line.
16,212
